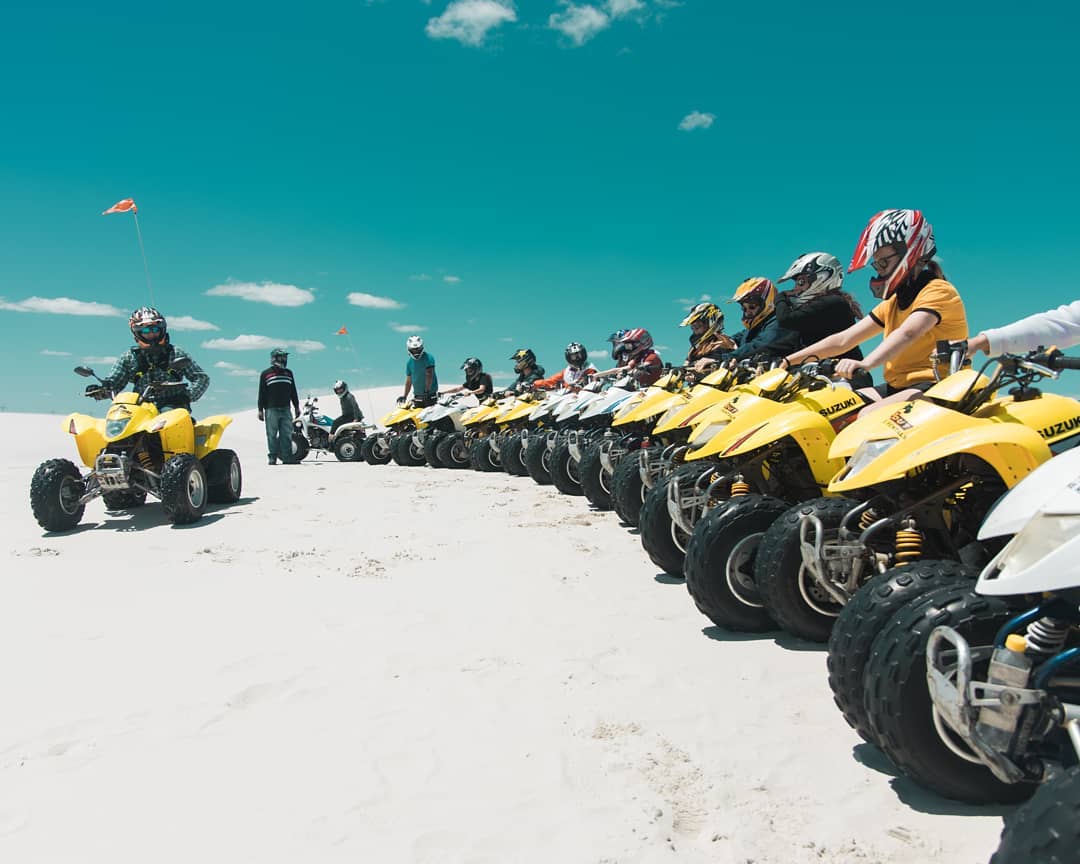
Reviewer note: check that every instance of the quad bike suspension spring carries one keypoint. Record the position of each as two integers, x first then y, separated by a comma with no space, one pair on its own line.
739,486
908,542
1047,635
145,459
868,518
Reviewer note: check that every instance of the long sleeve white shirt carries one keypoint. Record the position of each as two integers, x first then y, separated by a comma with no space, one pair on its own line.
1058,327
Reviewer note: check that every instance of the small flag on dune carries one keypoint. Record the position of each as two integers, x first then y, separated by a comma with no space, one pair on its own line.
342,332
125,206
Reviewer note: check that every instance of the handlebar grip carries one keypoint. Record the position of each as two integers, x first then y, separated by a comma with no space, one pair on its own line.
862,379
1063,362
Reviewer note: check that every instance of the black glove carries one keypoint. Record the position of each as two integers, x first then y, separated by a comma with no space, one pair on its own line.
400,400
96,391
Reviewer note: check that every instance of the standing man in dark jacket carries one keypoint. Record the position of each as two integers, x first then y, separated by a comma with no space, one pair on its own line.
277,388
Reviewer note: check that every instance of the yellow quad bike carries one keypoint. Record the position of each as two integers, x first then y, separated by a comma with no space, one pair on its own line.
396,442
773,453
918,481
508,442
665,443
135,451
629,429
677,500
480,426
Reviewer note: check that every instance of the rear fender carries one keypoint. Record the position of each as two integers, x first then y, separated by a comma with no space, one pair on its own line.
208,433
89,435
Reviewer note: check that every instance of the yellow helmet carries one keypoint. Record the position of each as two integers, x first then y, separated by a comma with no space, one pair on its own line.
710,315
760,294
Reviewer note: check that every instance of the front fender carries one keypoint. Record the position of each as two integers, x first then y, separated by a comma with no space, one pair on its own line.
1012,450
89,435
651,406
811,432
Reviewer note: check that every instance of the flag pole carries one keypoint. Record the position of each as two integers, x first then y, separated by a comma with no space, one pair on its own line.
142,250
367,390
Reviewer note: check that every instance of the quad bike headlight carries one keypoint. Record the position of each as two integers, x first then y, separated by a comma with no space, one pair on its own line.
1040,538
706,435
866,453
113,428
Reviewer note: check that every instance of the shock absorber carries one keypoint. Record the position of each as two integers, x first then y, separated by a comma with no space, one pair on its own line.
908,542
868,518
739,486
1047,635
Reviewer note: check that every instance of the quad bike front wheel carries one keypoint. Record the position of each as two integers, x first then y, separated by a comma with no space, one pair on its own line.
627,488
595,480
300,447
482,457
184,489
432,439
565,471
862,619
375,450
453,451
406,451
55,491
1046,828
538,459
224,478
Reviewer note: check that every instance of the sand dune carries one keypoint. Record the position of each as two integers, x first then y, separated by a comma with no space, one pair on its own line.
409,665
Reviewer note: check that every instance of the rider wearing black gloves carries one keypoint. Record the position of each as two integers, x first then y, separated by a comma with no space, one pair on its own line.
154,359
527,371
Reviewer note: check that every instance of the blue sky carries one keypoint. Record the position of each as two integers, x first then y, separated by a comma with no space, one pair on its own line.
503,174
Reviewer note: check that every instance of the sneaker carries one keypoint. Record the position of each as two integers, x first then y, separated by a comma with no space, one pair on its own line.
272,460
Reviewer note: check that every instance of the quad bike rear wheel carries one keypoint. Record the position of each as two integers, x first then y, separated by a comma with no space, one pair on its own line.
1046,828
184,489
432,439
300,447
663,540
347,448
406,451
512,455
224,478
55,491
482,457
564,470
453,451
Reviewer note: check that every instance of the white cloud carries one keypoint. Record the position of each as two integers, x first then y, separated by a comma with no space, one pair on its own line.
469,21
689,302
235,369
250,342
61,306
371,301
696,120
48,352
406,328
598,355
453,280
273,293
420,277
506,338
619,8
98,360
580,23
185,323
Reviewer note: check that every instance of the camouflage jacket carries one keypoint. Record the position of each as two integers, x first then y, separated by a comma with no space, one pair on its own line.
134,366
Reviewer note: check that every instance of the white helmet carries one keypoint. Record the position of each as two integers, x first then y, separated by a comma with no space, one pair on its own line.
415,345
340,388
821,270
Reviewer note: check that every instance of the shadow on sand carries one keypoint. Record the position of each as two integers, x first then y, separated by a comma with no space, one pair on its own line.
150,516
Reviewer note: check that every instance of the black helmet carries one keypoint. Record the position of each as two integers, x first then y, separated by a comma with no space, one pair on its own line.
576,355
340,388
523,358
473,367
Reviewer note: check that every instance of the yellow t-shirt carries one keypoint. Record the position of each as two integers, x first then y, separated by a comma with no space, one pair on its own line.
940,299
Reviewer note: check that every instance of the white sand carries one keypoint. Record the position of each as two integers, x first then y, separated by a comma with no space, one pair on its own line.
407,665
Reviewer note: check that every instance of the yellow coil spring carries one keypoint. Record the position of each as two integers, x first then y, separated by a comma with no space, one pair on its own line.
739,486
145,460
908,542
868,518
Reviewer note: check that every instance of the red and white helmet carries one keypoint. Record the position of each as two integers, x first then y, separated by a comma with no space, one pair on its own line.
637,341
909,236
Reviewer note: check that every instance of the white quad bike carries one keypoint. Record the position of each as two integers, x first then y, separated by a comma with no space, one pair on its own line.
311,433
443,433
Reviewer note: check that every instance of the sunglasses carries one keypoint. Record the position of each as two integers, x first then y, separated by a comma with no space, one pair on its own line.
149,330
882,264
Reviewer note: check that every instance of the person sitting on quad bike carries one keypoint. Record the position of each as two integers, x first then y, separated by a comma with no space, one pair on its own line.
642,361
918,308
762,334
575,374
619,352
1058,327
477,381
420,374
350,411
527,371
707,337
152,360
817,306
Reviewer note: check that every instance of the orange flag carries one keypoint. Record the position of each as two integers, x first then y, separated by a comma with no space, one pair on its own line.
125,206
342,332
